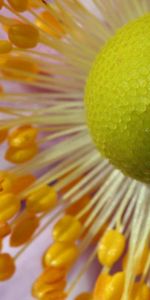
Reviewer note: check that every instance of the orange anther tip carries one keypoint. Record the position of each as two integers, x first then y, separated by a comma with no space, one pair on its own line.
23,229
50,24
18,5
23,35
3,135
84,296
22,182
7,266
5,46
4,229
19,68
34,4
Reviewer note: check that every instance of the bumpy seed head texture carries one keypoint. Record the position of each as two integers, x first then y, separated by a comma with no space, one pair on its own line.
117,99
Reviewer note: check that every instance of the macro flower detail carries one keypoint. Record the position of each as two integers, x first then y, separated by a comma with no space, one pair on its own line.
119,80
74,142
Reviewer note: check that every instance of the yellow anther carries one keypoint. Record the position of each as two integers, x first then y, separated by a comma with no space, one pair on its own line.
23,136
21,155
140,261
19,68
22,182
4,229
41,199
59,295
5,46
60,255
9,206
5,182
84,296
49,278
23,229
100,286
115,287
19,5
52,280
109,287
3,135
23,35
34,3
50,24
140,291
67,229
7,266
48,289
111,247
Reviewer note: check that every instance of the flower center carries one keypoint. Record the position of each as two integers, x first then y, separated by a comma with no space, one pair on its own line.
117,99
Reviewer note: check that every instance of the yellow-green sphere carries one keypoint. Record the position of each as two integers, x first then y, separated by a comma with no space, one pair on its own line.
117,99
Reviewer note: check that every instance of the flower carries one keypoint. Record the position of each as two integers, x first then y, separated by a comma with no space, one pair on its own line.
55,173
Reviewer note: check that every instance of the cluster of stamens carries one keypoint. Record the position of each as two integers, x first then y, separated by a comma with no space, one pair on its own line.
92,203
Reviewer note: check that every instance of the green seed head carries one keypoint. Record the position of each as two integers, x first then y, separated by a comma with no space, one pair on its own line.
117,99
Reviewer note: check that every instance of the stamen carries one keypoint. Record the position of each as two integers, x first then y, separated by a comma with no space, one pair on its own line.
42,199
9,206
52,280
67,229
4,229
23,229
7,267
22,136
111,247
60,255
18,5
5,46
84,296
23,35
93,204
